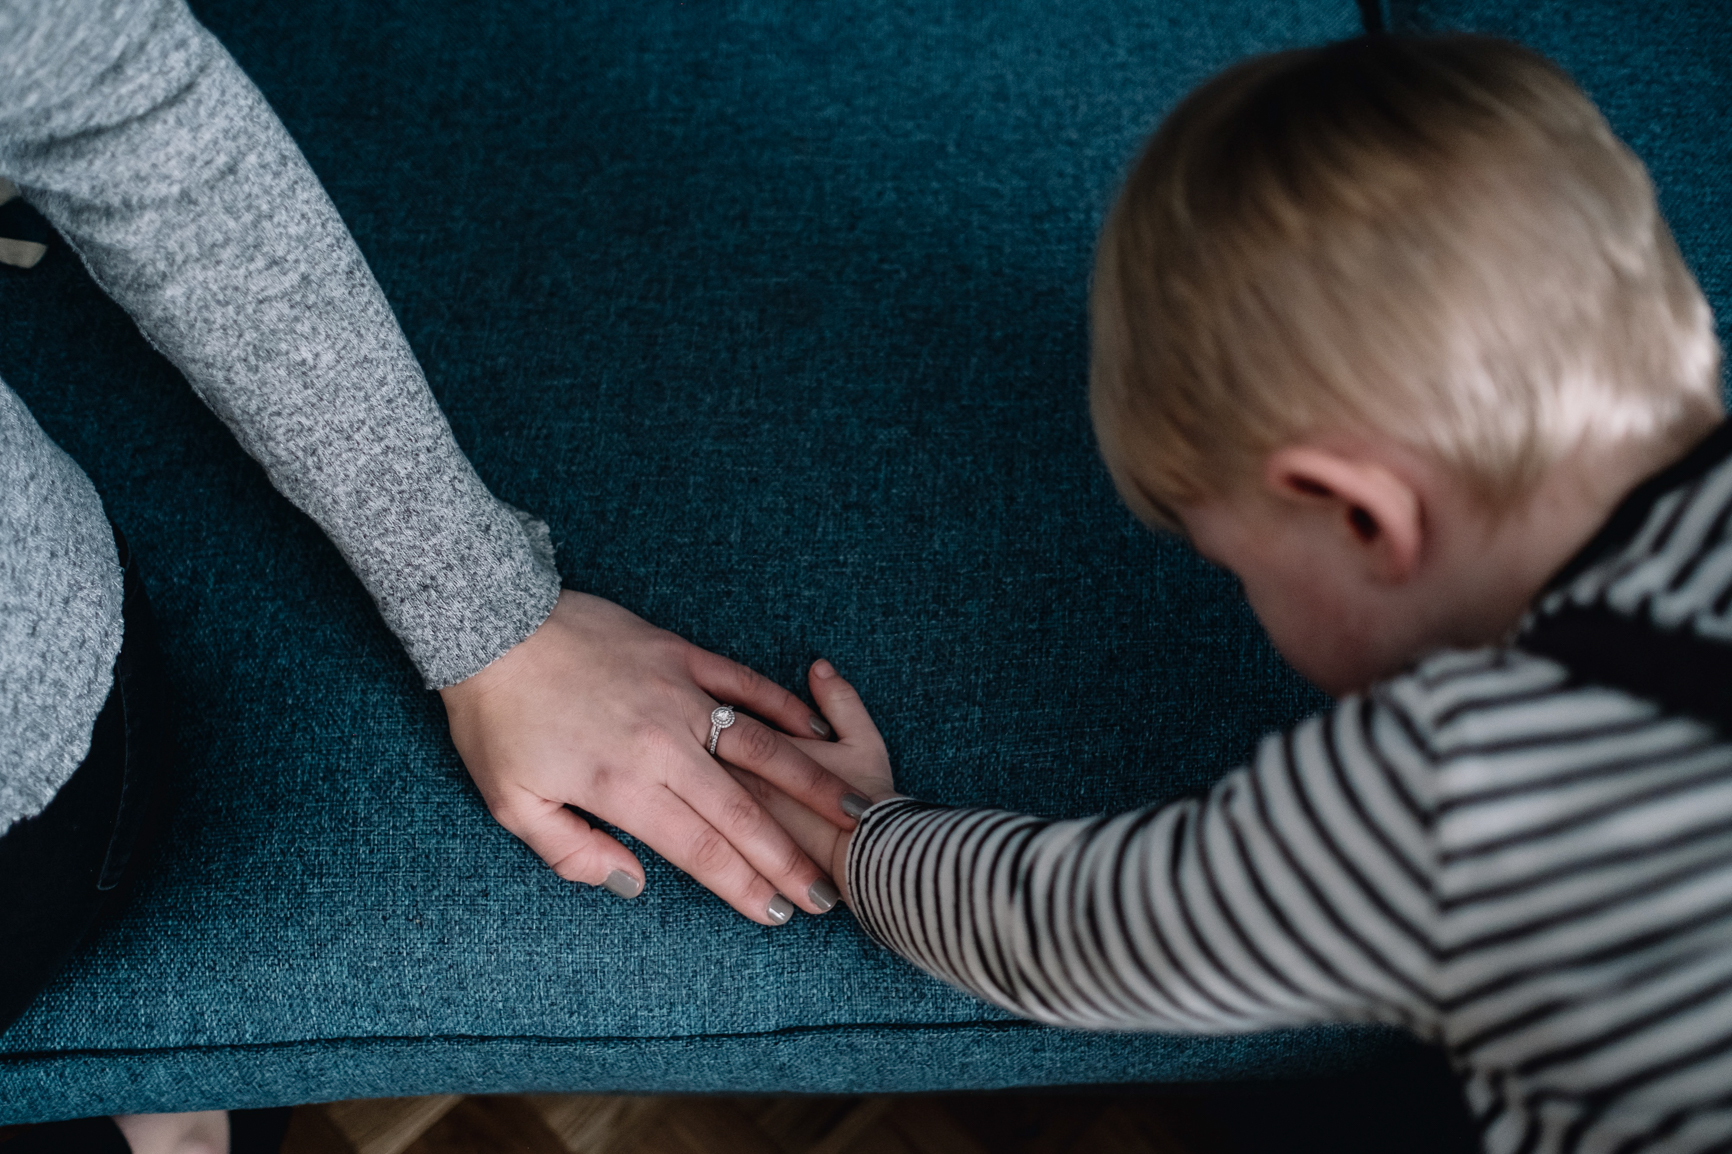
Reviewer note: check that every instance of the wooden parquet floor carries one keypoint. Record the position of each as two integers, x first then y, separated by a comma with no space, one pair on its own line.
1407,1104
1144,1123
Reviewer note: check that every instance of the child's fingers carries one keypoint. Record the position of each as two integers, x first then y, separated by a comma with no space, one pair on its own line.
841,705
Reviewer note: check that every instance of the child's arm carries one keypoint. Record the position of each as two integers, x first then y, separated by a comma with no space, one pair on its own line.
1297,891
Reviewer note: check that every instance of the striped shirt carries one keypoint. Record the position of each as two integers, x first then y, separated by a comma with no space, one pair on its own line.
1523,854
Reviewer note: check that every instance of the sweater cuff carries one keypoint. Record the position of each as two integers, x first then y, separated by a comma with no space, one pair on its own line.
482,605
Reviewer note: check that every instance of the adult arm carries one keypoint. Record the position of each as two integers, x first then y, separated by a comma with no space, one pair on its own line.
135,133
128,126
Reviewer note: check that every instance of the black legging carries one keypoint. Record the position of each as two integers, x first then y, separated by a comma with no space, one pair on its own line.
64,870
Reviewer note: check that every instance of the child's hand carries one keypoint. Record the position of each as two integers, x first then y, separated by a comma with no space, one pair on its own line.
857,756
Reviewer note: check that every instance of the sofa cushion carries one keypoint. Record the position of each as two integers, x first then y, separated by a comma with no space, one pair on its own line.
776,313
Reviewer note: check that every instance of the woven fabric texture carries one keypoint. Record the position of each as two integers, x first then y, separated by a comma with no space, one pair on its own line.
776,314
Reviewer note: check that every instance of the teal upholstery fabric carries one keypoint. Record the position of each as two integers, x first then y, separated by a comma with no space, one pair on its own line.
775,312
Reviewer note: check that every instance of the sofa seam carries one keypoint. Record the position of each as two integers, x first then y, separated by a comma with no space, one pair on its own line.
542,1039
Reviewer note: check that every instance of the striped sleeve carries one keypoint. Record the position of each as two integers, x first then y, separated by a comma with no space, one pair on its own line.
1298,890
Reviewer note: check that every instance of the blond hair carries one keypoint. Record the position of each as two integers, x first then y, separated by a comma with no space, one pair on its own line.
1438,240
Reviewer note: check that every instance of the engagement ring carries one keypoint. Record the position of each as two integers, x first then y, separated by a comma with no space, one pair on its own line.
720,718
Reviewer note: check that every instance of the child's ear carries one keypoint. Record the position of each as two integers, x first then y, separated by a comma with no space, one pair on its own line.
1377,511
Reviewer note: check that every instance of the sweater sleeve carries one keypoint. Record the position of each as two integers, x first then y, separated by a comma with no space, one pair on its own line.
1298,891
128,126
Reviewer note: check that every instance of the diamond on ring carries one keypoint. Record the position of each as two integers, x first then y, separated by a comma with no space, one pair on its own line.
721,717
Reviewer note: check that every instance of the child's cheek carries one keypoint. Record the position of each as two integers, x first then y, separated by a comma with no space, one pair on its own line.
1318,630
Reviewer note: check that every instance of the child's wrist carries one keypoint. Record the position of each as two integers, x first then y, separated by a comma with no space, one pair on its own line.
839,856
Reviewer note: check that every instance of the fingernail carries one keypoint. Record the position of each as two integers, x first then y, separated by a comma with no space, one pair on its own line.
781,909
854,805
821,727
621,884
823,668
823,895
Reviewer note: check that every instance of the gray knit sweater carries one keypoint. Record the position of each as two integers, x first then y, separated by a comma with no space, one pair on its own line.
130,128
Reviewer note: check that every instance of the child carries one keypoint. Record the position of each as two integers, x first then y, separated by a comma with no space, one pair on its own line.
1393,330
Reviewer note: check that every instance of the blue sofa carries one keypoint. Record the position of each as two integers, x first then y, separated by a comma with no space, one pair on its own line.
776,313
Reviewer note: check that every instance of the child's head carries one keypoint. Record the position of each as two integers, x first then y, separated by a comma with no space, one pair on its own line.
1436,247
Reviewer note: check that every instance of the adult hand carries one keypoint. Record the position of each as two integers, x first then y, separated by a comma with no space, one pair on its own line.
599,709
857,756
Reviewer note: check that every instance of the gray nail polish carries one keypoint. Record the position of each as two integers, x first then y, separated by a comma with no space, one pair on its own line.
621,884
822,727
854,805
823,895
781,909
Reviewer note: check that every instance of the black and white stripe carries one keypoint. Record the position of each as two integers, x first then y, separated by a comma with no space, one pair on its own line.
1524,854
